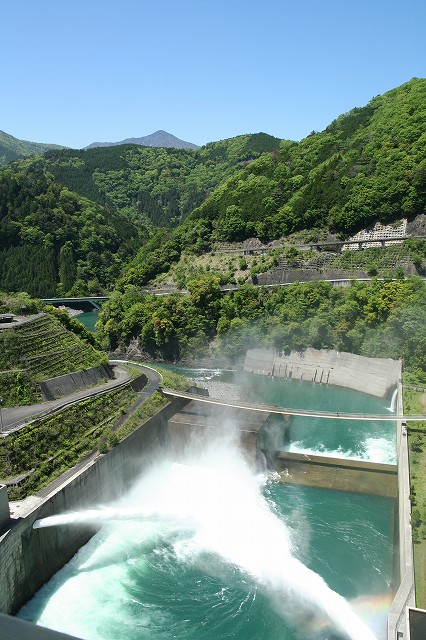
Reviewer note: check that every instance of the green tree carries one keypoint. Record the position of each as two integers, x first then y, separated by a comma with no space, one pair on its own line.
67,267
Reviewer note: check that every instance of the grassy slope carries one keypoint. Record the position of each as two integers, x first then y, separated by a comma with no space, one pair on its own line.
415,402
49,446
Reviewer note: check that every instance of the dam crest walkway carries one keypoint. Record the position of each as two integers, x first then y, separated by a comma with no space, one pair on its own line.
310,413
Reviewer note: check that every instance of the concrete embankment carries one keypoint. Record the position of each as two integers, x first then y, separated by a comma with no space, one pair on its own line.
399,617
339,474
29,557
376,376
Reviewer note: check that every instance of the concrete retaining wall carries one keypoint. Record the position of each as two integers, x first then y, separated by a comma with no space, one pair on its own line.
29,557
339,474
139,383
376,376
4,506
284,276
64,385
398,622
281,276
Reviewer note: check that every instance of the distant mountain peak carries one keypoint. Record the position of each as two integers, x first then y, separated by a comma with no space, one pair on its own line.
159,138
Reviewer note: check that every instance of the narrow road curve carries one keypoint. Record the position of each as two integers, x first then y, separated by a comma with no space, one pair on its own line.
13,418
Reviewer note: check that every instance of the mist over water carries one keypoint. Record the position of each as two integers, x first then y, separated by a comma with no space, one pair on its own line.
205,549
222,553
373,441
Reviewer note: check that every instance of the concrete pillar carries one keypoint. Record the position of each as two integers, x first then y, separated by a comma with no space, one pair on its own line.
4,507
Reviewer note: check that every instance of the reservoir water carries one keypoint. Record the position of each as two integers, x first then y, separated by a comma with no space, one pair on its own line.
232,555
88,318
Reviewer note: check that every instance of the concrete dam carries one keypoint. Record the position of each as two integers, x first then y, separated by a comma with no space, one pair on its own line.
29,557
376,376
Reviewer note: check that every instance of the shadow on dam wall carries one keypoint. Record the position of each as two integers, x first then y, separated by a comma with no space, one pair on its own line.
30,557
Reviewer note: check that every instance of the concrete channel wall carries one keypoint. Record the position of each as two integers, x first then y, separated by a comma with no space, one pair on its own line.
338,474
398,617
30,557
375,376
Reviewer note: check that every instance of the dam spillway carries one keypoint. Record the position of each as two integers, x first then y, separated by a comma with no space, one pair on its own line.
144,464
234,574
374,376
267,436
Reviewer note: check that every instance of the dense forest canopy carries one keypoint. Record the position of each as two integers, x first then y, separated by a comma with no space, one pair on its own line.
160,186
368,165
77,221
54,241
377,319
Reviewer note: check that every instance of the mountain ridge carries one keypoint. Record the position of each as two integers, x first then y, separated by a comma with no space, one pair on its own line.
369,164
159,138
12,148
162,185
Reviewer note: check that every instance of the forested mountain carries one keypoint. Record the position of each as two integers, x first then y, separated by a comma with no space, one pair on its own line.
154,185
55,241
158,139
367,165
12,149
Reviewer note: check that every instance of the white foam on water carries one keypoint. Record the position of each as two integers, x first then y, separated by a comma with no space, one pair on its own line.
380,450
373,449
90,591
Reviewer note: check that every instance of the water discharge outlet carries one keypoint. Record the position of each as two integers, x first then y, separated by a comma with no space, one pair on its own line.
219,510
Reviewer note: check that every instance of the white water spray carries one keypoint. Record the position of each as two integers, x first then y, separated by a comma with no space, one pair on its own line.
108,514
229,518
393,401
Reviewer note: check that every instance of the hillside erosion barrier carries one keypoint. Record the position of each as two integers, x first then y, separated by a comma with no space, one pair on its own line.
375,376
59,386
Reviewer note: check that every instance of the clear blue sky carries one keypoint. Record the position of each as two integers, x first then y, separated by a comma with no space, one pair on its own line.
78,71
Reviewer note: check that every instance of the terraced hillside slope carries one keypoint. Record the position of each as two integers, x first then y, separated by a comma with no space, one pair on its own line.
37,349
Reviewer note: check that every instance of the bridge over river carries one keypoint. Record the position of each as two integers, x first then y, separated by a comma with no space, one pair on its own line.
94,301
268,409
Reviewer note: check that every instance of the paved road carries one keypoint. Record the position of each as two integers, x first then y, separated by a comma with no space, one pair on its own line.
13,417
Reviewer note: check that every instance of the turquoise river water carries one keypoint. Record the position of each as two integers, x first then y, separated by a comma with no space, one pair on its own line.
89,319
213,552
